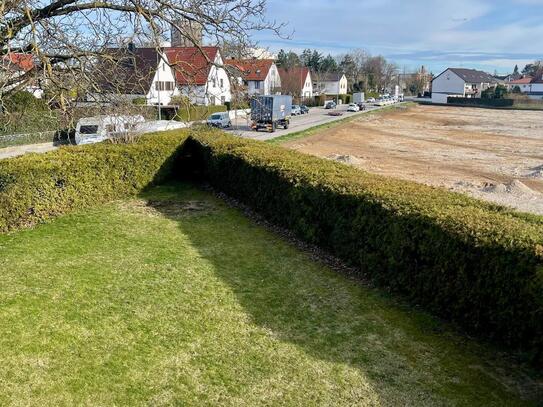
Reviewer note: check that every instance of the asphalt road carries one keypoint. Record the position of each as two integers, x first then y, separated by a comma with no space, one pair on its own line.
315,117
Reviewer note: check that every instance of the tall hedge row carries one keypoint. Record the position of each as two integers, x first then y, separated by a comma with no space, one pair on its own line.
38,186
480,102
469,261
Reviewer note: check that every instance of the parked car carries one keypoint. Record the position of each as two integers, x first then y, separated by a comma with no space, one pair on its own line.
296,110
221,120
336,113
304,109
330,105
353,107
370,100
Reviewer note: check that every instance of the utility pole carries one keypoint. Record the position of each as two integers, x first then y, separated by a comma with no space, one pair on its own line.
159,59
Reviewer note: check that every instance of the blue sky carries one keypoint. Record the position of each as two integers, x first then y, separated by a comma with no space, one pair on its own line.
483,34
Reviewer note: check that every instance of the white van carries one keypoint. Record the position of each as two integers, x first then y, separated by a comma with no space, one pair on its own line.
221,120
99,128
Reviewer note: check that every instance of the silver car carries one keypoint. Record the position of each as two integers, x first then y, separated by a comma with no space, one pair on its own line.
221,120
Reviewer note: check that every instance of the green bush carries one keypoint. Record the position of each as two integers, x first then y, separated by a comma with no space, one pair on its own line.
36,187
469,261
196,113
140,101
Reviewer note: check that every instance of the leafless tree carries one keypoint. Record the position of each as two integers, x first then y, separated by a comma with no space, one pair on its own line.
66,38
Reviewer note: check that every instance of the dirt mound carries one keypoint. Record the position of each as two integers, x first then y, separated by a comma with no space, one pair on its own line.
515,187
346,159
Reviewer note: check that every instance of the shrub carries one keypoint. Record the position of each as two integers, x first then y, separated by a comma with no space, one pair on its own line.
472,262
480,102
36,187
140,101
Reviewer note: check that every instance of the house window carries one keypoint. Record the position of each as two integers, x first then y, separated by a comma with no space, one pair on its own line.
222,83
165,86
212,100
223,99
257,85
214,81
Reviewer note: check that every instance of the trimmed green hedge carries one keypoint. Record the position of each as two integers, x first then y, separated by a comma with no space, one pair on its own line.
196,113
469,261
481,102
36,187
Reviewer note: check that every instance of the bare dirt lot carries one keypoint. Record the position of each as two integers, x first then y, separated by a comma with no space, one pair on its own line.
495,155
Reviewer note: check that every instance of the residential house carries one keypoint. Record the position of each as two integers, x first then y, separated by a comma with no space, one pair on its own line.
532,87
460,82
329,83
131,73
522,83
258,76
16,71
296,81
200,74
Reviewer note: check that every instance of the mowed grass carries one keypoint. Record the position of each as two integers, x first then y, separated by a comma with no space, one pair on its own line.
176,299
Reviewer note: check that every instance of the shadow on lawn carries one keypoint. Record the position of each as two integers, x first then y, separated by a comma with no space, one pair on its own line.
406,355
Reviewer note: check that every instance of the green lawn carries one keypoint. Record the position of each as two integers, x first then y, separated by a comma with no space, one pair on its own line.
176,299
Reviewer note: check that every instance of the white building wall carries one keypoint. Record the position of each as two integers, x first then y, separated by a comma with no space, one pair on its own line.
307,90
164,73
448,83
218,85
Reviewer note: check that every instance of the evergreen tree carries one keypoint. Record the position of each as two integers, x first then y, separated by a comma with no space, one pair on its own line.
282,59
329,64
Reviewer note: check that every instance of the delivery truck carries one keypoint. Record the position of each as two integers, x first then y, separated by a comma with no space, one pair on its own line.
358,97
270,112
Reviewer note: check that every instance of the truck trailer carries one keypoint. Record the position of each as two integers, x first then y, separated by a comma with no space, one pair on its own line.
358,97
269,112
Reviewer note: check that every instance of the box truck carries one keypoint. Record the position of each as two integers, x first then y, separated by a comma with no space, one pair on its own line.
358,97
269,112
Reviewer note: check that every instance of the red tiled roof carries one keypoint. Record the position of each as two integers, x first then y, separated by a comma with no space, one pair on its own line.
293,77
252,69
191,64
23,62
521,81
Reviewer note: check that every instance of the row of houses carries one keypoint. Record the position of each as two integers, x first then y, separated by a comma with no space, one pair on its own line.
206,78
470,83
200,74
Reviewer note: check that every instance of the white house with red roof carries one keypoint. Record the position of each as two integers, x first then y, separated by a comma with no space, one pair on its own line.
16,68
200,75
260,76
532,87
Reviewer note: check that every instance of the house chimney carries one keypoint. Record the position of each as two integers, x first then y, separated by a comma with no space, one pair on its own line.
131,47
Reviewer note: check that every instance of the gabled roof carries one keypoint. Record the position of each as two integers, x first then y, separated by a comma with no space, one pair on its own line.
522,81
293,78
330,76
251,69
16,61
191,64
127,71
472,75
